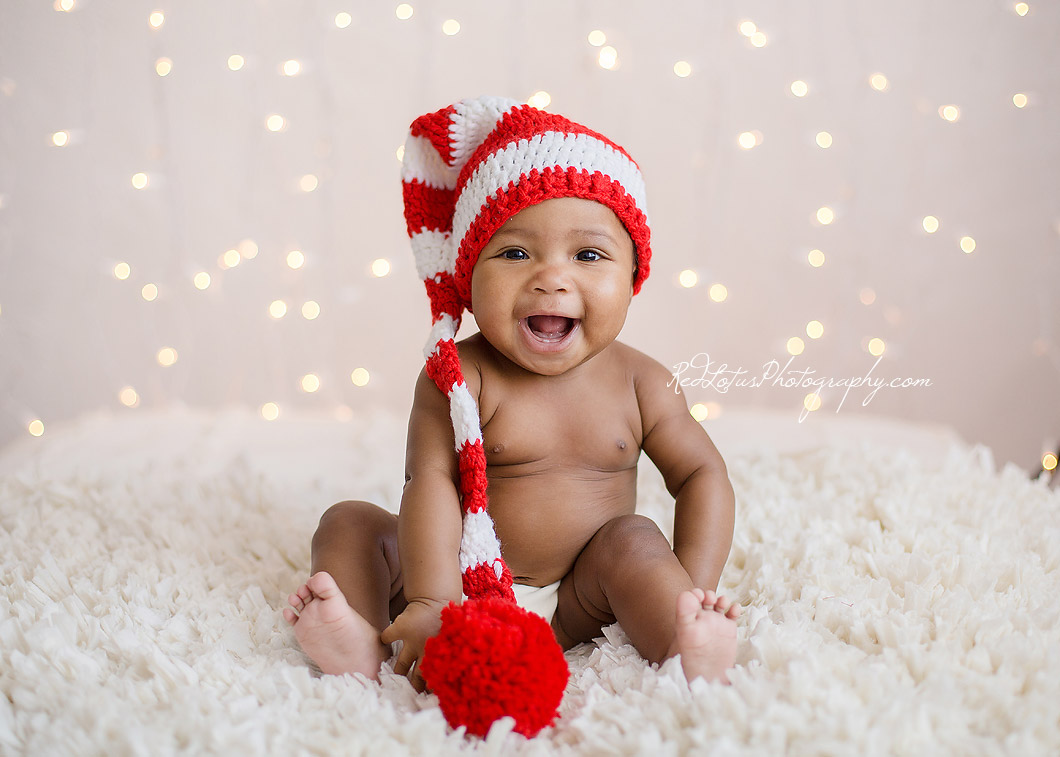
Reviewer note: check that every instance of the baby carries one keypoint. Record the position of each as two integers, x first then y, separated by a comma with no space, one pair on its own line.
538,226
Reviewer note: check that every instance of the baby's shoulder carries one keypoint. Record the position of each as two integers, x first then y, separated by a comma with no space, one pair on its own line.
639,366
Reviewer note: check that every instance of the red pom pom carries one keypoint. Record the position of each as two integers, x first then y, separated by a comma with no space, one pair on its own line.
493,658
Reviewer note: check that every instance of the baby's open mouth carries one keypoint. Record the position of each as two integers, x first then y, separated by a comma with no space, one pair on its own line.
550,327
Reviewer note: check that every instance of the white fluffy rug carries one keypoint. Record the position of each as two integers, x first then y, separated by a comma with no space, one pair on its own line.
893,607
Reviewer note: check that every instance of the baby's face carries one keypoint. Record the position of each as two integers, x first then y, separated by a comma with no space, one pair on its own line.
552,287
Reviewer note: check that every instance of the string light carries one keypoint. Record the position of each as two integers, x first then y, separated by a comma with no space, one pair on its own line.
713,410
867,296
879,82
812,402
64,6
718,292
36,427
825,215
815,258
749,139
139,180
295,259
799,88
1021,9
342,20
156,19
687,278
292,68
236,62
128,397
608,57
400,152
122,271
683,68
758,39
229,259
748,28
814,329
380,267
450,27
61,138
201,280
404,11
1019,100
824,139
270,411
699,412
149,292
931,224
310,310
597,38
308,183
248,249
359,377
277,309
795,346
950,113
275,122
166,357
968,245
540,99
1049,461
310,383
163,66
876,347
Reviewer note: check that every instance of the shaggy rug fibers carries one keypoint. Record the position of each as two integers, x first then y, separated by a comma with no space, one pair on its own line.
892,606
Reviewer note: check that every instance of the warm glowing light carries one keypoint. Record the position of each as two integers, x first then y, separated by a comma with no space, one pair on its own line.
540,99
968,244
950,112
824,139
747,28
747,139
149,292
277,309
291,68
310,383
275,122
400,152
230,259
270,411
310,310
1049,461
128,397
248,249
931,224
795,345
683,68
687,278
867,296
201,280
825,216
608,57
295,259
380,267
597,38
758,39
876,346
163,66
815,258
718,292
799,88
308,183
450,27
156,19
64,6
166,356
342,20
61,138
139,180
699,411
814,329
879,82
812,402
35,427
122,271
404,11
1021,9
236,62
1019,100
359,377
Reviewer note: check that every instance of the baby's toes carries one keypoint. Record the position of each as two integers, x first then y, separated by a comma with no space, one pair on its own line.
289,616
723,605
734,612
688,606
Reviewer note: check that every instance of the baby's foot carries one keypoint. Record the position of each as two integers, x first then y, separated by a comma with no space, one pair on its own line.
331,632
705,634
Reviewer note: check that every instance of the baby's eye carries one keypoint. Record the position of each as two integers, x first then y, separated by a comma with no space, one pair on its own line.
589,255
513,254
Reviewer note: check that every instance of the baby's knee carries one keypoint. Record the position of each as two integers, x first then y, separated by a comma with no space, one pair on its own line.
632,534
355,517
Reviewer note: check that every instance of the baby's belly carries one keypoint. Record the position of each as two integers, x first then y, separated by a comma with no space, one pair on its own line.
545,520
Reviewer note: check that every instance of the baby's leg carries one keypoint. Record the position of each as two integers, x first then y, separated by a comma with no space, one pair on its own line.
353,592
628,572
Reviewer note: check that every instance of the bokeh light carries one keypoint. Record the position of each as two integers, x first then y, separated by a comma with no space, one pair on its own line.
718,292
815,258
687,278
359,377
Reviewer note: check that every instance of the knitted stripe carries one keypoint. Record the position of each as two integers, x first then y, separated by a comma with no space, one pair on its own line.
426,207
471,123
435,127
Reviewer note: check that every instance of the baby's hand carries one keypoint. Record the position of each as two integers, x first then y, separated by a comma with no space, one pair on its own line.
420,621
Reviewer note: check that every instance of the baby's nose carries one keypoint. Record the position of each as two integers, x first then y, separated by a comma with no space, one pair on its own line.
551,277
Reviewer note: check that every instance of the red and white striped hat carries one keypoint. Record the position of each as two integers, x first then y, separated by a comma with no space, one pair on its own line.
466,170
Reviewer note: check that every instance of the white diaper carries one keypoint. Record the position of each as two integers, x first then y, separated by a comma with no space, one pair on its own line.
538,599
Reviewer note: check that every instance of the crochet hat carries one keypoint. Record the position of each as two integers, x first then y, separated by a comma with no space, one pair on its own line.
466,170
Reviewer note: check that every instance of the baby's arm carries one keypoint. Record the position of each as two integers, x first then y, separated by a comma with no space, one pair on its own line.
694,472
429,525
